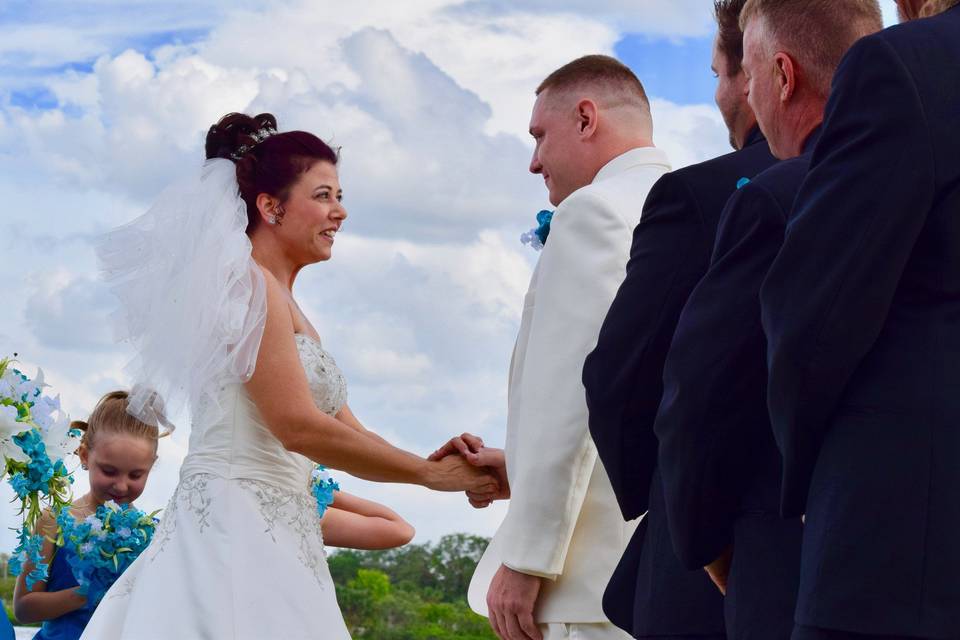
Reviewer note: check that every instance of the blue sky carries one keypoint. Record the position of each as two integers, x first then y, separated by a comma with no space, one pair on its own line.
669,68
104,103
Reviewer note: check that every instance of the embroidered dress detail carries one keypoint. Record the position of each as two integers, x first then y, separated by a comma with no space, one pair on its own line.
244,515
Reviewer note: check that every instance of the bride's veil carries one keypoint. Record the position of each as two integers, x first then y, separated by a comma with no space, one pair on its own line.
192,300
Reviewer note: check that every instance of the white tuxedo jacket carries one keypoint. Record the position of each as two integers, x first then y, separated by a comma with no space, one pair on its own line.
563,522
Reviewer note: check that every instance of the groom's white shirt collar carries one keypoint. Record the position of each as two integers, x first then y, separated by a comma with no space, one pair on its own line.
632,158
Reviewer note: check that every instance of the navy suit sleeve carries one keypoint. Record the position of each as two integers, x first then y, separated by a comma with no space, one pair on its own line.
855,222
714,381
623,375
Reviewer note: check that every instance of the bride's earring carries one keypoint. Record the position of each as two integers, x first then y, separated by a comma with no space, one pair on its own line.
272,219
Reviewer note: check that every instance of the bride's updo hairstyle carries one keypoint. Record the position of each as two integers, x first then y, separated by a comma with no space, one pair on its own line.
267,161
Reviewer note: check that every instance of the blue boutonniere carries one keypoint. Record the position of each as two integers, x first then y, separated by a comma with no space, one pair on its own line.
742,182
537,237
322,487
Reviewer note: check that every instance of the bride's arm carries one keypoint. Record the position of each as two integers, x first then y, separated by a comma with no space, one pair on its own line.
346,416
280,390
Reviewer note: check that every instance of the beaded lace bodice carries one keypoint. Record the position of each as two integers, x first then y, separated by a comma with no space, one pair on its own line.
240,445
326,381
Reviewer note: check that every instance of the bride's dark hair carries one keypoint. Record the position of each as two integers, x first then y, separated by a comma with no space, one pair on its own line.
267,161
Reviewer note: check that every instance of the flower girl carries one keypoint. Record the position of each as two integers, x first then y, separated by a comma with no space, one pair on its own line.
117,451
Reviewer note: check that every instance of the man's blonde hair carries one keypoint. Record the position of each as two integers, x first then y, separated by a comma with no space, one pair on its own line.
933,7
816,33
614,82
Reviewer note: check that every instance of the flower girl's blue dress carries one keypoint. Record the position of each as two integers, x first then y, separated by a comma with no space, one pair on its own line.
70,625
6,627
238,553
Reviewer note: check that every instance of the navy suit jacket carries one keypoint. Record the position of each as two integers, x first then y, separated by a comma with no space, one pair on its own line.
651,593
862,313
718,458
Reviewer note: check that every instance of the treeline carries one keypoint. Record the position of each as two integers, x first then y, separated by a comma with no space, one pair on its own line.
417,592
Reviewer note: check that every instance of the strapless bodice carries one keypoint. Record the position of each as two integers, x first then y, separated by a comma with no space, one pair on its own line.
239,445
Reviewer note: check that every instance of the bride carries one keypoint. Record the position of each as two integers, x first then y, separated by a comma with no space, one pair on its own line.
205,280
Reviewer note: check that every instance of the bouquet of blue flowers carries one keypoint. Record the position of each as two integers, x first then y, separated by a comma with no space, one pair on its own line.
35,438
322,487
105,544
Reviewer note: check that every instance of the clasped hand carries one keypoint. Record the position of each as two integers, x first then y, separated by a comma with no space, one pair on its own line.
471,448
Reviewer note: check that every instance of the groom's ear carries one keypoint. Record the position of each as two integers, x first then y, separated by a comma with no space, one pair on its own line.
586,118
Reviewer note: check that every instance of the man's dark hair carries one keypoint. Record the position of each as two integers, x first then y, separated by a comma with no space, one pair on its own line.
729,34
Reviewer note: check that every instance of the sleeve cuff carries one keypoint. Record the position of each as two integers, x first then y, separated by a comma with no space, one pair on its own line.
532,572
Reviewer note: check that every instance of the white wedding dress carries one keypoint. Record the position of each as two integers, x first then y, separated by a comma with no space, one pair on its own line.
239,553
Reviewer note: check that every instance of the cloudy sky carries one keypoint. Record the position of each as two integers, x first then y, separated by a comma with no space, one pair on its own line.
104,102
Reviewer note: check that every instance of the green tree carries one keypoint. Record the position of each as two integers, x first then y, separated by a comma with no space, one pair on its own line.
417,592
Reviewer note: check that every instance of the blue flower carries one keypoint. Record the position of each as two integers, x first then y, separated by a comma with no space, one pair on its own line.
28,551
537,237
742,182
322,487
105,544
20,484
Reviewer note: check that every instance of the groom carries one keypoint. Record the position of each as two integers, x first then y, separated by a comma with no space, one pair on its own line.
545,570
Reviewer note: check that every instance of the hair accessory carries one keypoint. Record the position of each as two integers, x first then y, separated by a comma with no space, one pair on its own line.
258,136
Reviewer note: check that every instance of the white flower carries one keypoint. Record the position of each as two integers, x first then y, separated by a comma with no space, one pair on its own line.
124,532
9,383
42,411
86,548
9,427
20,388
113,506
531,238
57,439
95,523
320,474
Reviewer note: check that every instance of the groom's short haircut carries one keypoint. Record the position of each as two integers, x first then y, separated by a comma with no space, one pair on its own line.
729,33
816,33
613,83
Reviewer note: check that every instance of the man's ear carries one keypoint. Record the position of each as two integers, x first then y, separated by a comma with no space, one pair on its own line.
786,75
587,113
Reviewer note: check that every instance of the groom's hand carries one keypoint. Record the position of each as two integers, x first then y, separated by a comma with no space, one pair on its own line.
510,602
492,459
467,445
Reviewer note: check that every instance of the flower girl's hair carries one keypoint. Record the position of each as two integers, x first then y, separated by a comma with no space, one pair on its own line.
267,161
110,416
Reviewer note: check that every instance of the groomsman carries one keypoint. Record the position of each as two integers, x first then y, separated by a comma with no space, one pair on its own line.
720,463
651,594
862,313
